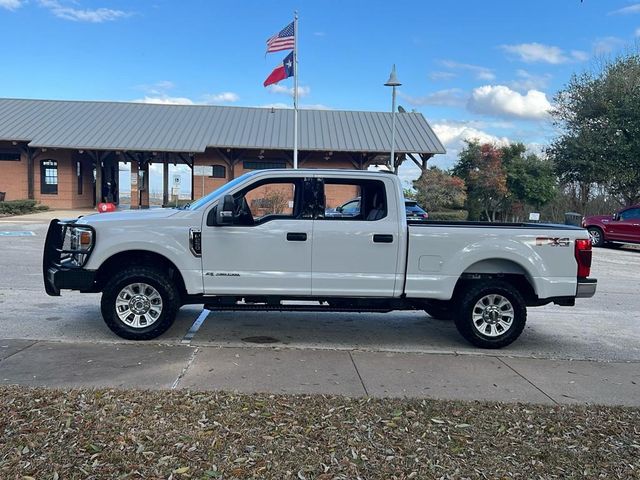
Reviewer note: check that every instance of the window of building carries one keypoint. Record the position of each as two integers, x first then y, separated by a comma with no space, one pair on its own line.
79,175
9,155
218,171
49,177
263,164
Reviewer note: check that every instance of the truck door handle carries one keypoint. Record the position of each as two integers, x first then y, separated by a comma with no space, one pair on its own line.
382,238
296,237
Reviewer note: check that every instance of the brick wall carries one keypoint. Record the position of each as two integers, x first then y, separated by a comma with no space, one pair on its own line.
13,179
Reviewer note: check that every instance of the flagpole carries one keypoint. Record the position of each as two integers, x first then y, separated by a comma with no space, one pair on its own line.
295,89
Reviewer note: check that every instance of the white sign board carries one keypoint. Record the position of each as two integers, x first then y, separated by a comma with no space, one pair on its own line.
203,170
534,216
176,181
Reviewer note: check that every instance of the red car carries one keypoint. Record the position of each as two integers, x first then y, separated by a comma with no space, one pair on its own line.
621,227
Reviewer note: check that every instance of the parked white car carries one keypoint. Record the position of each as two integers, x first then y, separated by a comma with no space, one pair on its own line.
263,239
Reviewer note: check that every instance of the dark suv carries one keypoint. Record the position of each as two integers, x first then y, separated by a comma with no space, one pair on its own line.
621,227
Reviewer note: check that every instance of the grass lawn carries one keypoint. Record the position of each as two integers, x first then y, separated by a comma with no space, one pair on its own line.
95,434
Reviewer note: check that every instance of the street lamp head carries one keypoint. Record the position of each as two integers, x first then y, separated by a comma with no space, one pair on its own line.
393,79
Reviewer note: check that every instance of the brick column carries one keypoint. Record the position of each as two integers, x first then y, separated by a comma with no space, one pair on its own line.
144,188
135,197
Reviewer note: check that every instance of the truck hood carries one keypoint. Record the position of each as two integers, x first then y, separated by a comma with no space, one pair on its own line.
129,216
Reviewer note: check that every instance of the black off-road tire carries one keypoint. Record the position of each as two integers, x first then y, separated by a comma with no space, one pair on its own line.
467,301
439,310
158,279
597,236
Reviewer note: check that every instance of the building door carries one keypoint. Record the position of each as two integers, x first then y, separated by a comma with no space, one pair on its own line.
267,250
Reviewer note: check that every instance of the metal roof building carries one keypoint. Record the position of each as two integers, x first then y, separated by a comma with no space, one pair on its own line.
207,135
193,128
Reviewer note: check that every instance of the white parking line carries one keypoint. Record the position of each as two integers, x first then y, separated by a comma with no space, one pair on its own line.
196,326
17,233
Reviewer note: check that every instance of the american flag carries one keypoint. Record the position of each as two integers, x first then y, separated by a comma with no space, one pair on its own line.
284,40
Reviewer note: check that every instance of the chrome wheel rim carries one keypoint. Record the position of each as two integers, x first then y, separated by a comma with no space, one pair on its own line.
493,315
595,236
139,305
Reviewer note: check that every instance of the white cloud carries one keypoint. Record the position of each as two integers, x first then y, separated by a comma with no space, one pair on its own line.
442,75
453,134
303,91
538,52
501,101
223,97
637,32
579,55
451,97
527,81
165,100
97,15
11,4
318,34
605,45
481,73
631,9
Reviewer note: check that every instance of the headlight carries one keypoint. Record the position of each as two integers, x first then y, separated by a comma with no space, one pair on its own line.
77,244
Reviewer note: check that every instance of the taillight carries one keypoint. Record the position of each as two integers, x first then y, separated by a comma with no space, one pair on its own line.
583,257
425,215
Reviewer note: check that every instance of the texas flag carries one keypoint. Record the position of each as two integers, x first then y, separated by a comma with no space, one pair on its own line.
281,72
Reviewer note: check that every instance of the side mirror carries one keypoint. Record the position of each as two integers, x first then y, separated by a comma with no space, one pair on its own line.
615,216
224,212
339,209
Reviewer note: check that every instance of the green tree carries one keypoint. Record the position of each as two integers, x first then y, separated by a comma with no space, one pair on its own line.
480,166
599,116
504,182
530,179
436,190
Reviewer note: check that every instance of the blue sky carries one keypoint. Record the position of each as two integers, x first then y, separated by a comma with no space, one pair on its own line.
485,69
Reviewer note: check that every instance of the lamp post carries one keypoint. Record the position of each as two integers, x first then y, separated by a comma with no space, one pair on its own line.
393,83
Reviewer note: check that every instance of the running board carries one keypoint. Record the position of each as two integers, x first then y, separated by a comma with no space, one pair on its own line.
293,308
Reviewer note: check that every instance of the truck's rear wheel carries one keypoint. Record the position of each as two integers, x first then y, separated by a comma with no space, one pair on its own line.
491,314
139,303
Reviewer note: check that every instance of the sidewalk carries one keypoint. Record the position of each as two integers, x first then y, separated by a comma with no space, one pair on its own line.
351,373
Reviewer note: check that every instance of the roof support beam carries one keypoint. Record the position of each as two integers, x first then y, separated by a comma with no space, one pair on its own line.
165,179
31,155
231,158
303,158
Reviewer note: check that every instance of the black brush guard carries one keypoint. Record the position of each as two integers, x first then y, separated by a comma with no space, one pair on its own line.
59,269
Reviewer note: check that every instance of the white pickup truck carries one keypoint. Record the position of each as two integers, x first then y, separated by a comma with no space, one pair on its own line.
263,242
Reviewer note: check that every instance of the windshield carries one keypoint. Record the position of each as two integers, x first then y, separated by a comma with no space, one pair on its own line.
218,192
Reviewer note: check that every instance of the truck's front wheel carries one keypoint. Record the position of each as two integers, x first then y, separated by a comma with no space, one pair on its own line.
139,303
491,314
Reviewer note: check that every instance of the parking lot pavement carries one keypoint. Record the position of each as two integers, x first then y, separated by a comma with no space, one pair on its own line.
602,328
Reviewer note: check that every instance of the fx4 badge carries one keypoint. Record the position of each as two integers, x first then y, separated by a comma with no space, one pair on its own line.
552,242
